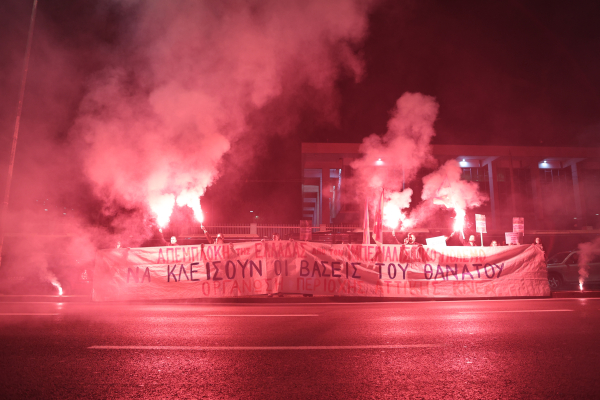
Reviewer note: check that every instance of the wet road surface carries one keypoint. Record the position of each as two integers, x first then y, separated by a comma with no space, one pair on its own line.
512,349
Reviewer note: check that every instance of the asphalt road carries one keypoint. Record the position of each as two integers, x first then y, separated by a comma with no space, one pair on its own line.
500,349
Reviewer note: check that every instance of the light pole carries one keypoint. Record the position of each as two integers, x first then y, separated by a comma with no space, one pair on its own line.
11,162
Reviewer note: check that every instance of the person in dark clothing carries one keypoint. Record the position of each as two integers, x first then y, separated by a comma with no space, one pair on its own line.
470,242
218,240
411,239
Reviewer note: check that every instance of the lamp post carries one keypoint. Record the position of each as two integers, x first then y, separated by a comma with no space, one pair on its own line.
11,162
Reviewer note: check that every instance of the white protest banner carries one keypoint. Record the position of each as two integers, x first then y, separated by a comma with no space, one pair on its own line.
245,269
518,225
480,223
511,237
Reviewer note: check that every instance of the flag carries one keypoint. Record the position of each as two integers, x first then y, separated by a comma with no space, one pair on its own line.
378,224
442,198
366,238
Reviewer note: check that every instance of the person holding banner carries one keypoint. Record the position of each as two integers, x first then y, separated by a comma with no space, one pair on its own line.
218,240
411,239
471,242
463,240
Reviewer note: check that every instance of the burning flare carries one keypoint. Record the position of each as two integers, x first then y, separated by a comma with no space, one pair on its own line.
56,284
392,216
459,221
191,199
395,202
162,206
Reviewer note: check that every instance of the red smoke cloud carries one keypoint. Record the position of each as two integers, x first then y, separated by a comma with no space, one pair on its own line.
157,123
445,187
403,150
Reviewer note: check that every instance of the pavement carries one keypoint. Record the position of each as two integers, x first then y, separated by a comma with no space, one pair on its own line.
503,349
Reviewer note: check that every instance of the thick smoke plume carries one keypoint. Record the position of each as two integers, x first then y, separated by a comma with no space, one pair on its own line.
156,123
137,118
444,188
588,252
393,160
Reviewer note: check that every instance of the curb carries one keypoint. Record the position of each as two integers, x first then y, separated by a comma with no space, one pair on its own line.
8,298
287,299
575,294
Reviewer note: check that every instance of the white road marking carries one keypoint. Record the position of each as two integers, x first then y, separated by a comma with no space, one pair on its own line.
209,348
507,311
28,314
259,315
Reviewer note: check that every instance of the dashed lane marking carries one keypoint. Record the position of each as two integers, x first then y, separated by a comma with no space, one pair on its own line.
41,314
245,348
259,315
508,311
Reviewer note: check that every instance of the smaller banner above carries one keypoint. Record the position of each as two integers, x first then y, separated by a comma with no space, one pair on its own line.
438,241
480,223
519,225
512,237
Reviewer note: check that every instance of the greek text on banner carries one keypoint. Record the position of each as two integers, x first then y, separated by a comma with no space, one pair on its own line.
253,268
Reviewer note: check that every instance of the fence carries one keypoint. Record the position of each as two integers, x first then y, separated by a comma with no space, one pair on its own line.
266,230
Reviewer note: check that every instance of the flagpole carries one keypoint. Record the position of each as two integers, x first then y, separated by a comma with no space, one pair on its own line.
366,235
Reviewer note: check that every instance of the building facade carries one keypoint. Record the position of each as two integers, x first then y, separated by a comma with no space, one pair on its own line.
552,188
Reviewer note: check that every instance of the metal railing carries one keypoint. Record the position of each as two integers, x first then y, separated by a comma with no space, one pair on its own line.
266,230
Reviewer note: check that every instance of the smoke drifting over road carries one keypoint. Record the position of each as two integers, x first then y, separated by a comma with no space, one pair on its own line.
588,252
157,122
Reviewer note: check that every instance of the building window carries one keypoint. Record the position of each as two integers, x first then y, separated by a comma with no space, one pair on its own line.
478,175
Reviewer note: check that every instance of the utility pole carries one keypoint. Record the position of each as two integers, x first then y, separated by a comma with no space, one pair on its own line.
11,162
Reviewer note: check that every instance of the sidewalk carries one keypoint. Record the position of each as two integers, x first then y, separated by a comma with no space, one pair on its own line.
289,298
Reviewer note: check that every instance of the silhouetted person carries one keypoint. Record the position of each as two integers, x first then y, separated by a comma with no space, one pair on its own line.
471,242
411,239
218,240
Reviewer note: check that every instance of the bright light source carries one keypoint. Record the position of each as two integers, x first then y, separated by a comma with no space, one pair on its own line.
379,162
463,163
251,211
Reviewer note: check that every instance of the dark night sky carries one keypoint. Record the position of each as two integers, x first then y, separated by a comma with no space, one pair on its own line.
503,73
